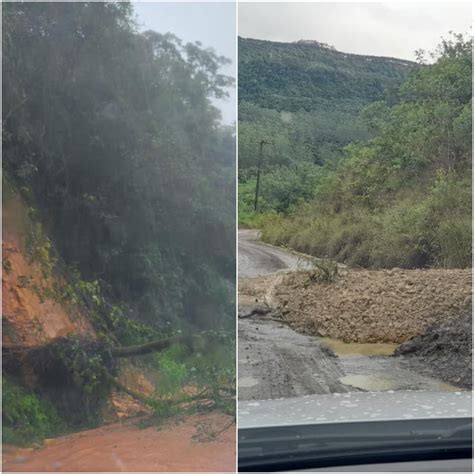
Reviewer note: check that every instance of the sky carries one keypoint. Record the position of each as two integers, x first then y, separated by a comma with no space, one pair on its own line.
214,24
395,29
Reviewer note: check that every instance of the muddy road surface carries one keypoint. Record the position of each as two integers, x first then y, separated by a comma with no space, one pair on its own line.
277,362
257,258
198,443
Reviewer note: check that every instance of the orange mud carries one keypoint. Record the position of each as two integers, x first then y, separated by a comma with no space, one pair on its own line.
30,315
189,445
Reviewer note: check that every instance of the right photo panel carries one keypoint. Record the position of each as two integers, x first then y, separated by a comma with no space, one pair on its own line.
354,240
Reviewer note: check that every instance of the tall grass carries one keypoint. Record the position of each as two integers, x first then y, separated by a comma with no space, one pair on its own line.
430,228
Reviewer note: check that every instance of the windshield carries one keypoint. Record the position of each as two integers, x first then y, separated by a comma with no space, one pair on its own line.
354,214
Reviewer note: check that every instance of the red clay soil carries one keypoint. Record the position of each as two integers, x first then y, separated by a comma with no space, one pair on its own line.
194,444
30,315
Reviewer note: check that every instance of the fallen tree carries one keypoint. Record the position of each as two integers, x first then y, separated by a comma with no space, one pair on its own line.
77,373
17,356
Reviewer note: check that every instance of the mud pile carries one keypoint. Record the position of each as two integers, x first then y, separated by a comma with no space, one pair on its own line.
443,350
366,306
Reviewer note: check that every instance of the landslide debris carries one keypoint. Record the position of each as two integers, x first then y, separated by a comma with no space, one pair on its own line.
367,306
444,350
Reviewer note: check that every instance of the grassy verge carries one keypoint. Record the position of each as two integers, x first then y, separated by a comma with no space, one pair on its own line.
429,229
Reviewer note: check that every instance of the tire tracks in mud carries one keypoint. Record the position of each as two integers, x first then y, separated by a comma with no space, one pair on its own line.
277,362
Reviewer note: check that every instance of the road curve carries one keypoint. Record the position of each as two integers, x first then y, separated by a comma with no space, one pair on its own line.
257,258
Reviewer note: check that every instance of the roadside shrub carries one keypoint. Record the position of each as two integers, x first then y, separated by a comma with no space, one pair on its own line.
172,375
26,417
403,198
323,271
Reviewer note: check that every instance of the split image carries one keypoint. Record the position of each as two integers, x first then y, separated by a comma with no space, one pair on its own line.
236,236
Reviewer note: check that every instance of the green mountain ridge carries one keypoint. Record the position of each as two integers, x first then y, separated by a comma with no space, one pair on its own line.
305,101
295,76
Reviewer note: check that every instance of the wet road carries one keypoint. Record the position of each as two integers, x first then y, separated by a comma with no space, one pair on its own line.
257,258
277,362
188,445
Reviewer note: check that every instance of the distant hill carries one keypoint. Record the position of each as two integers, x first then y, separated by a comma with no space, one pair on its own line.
304,99
308,75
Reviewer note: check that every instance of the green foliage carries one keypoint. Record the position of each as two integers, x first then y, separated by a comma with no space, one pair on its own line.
26,417
163,409
209,368
309,75
404,198
122,153
304,100
172,375
87,368
323,271
38,248
122,157
213,368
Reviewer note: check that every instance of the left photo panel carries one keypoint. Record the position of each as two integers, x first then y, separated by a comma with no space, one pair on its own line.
118,236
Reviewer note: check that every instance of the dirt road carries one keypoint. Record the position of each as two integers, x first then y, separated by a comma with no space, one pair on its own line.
277,362
257,258
187,445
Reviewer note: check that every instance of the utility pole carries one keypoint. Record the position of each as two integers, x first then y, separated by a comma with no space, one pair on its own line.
263,142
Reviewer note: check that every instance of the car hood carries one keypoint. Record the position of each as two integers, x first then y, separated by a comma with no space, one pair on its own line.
354,407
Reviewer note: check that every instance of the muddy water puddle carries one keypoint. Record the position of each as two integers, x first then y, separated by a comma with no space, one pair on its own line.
378,374
369,367
353,349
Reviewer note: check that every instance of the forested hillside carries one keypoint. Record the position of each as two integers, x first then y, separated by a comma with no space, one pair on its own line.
304,100
112,134
110,137
402,198
307,75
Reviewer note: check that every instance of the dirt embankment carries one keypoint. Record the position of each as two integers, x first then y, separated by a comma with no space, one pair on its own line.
31,315
365,306
444,350
32,312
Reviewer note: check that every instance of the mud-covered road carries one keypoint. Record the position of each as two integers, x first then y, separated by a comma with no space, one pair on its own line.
257,258
196,443
277,362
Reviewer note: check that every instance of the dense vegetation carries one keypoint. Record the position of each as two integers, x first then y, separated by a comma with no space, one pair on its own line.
113,134
304,100
111,137
28,417
403,198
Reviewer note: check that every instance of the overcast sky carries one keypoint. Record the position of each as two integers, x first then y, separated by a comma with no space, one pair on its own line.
381,29
214,24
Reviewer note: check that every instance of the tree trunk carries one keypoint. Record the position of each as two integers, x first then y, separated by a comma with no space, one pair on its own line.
17,356
154,346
